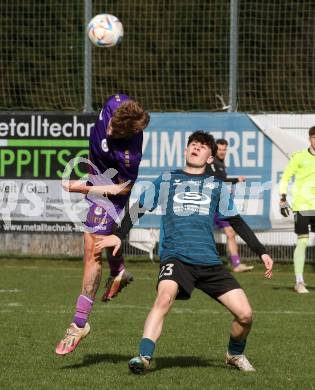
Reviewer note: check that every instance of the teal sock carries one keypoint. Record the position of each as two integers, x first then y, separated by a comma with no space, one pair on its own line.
236,347
146,348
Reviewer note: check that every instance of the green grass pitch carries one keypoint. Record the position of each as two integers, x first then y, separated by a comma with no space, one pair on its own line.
37,300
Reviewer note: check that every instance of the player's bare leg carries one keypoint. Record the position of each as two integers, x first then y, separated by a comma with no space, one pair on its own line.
232,247
167,291
237,303
119,277
92,274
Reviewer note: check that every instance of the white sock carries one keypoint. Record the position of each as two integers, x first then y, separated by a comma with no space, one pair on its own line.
299,279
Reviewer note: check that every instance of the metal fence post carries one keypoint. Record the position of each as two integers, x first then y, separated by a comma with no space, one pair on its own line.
87,60
233,62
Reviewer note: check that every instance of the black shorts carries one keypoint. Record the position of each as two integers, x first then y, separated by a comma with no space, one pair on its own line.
214,280
304,221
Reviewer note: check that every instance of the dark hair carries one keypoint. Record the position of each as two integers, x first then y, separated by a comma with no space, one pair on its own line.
129,119
311,131
205,139
222,141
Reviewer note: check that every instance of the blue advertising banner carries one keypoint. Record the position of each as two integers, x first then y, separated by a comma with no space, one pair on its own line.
249,155
36,147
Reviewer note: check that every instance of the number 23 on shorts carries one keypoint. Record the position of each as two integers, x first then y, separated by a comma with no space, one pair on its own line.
166,270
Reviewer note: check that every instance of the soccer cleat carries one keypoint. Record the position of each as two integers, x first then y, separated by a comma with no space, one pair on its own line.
243,268
72,338
139,365
300,288
115,284
239,361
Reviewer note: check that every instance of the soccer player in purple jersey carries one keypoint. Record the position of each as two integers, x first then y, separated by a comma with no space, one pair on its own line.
115,144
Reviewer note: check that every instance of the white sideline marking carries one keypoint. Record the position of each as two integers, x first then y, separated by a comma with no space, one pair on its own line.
147,308
14,290
21,267
310,313
57,269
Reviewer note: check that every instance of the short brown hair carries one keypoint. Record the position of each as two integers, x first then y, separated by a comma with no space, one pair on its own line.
128,119
222,141
205,139
311,131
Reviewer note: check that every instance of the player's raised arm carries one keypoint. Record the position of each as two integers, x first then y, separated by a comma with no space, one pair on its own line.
148,201
79,186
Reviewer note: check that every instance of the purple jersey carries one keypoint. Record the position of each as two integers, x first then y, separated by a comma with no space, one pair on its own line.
105,153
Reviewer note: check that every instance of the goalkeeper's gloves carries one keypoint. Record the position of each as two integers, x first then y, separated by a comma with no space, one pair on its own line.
284,206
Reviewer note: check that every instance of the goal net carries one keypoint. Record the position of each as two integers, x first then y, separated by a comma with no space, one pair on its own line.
174,56
41,61
276,56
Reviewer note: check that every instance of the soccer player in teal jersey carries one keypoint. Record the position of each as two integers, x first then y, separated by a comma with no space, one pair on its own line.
302,167
188,199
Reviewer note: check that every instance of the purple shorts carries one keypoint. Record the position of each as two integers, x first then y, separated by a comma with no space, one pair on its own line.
100,219
218,223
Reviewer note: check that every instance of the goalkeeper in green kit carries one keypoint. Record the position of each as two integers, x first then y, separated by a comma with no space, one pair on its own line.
302,167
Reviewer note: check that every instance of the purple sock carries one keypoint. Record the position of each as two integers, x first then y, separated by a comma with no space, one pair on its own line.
83,309
116,264
235,260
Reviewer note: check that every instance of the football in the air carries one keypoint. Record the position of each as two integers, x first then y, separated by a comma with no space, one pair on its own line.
105,30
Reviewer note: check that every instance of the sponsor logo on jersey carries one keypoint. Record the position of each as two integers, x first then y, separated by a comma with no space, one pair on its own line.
104,145
177,182
196,198
211,186
194,182
127,158
98,210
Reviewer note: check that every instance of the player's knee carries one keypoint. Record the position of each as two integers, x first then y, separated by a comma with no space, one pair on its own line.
230,234
163,302
302,241
246,317
91,254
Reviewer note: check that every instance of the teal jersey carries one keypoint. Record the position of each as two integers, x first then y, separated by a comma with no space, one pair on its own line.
187,203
